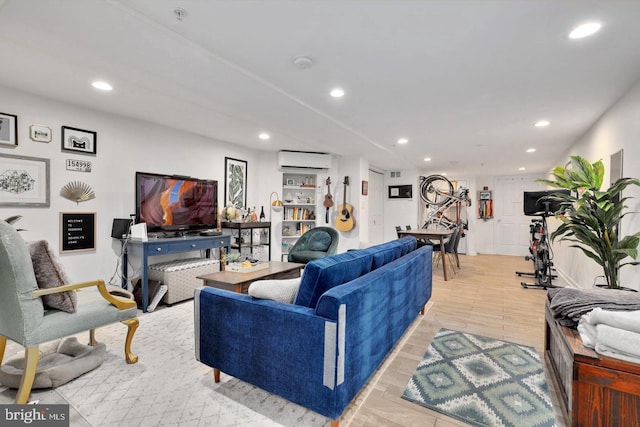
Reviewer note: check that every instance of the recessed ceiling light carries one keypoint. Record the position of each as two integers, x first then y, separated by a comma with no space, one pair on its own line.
102,85
585,30
264,136
403,141
531,150
337,92
542,123
427,159
521,169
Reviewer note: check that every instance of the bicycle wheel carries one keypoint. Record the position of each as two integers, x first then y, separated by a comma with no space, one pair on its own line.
436,190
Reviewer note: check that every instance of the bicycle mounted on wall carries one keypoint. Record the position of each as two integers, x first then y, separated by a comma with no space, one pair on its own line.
443,202
537,203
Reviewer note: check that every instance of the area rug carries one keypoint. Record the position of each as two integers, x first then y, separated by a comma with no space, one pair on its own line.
482,381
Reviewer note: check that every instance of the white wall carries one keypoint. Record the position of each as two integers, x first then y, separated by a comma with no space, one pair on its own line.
401,212
356,169
619,128
124,146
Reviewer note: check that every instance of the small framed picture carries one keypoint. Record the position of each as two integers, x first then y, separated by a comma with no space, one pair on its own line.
79,140
365,188
8,129
40,133
290,181
400,191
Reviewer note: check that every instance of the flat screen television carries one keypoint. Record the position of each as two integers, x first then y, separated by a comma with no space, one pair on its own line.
533,206
176,203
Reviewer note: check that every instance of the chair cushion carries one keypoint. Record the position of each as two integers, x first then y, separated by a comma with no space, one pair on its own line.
283,290
320,242
50,274
59,363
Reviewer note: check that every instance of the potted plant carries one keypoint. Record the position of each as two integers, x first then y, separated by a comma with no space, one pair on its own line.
591,217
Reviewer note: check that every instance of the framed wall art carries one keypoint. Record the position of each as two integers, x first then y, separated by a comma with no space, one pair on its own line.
79,140
8,129
401,191
77,231
24,181
235,188
40,133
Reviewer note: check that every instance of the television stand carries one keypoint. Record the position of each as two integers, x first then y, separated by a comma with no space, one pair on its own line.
161,246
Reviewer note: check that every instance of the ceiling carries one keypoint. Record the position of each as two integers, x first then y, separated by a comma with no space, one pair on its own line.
463,81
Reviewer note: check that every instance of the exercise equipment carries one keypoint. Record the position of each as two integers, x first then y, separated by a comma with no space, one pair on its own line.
541,255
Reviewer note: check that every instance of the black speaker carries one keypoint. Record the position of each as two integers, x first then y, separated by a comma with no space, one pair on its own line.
120,228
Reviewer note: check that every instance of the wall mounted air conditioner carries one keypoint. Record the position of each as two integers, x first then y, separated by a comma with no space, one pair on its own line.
303,160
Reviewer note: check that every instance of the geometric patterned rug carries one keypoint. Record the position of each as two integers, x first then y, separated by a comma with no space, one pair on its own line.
482,381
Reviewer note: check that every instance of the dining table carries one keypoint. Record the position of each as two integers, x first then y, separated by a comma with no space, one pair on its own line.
426,234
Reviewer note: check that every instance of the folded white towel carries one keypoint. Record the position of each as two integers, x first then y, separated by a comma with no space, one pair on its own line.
627,320
602,350
588,332
618,343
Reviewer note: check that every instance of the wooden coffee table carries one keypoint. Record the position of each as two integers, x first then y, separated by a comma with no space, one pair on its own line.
239,282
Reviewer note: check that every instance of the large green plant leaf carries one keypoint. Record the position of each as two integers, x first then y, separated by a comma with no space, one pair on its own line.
591,217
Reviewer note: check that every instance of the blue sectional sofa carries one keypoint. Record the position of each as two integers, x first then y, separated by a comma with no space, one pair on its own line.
349,312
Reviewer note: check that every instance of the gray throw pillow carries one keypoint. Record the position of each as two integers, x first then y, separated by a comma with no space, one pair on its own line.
283,290
320,241
50,274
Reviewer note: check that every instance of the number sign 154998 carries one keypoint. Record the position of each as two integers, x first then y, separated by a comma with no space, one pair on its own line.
78,165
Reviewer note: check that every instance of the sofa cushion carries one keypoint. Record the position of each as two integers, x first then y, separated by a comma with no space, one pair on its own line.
328,272
283,290
389,251
50,274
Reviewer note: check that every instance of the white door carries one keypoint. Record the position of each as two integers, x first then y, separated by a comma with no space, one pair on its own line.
511,225
376,207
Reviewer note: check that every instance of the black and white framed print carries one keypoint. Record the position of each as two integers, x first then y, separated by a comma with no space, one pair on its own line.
235,188
24,181
79,140
8,129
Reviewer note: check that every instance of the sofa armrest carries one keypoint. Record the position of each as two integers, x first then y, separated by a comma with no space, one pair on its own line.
282,348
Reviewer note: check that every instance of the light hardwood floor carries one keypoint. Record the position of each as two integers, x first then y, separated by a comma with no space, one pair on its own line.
484,298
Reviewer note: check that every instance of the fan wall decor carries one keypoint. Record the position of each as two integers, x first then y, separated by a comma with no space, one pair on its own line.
77,191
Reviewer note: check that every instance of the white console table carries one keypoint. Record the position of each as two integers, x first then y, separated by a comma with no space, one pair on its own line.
166,246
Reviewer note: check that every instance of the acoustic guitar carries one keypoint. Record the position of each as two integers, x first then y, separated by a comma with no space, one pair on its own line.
328,200
345,220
